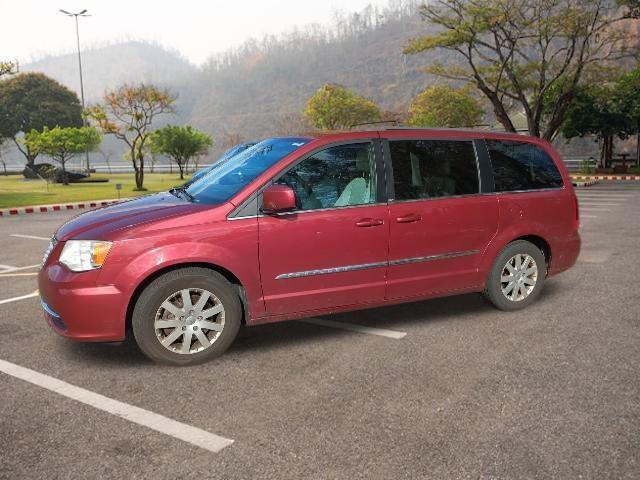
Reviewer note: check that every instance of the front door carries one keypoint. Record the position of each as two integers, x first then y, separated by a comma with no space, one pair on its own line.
332,250
439,223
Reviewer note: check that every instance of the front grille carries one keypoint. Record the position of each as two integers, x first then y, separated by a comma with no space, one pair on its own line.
50,247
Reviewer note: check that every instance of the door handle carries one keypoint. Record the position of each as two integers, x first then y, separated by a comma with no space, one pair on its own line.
409,218
369,222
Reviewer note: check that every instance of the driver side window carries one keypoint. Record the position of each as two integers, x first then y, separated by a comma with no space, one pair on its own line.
338,176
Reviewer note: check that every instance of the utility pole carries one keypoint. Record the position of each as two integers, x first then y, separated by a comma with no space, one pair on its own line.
83,13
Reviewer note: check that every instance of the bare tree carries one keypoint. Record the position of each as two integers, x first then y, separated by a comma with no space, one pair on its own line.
517,51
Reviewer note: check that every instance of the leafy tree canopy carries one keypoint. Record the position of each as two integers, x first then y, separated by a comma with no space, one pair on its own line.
63,143
444,106
128,113
628,92
513,51
333,107
6,68
595,111
32,101
180,143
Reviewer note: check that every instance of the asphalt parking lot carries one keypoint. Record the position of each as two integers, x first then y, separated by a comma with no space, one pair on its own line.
467,392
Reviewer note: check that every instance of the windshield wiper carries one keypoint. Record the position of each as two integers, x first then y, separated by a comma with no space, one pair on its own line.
182,190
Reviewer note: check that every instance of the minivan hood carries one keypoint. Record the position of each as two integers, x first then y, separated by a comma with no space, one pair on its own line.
103,223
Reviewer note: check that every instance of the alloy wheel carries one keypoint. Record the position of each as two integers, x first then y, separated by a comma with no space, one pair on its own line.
189,321
519,277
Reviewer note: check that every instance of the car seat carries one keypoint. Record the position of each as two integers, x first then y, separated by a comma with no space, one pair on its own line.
358,190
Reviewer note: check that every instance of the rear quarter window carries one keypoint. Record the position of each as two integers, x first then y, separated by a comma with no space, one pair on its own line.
522,166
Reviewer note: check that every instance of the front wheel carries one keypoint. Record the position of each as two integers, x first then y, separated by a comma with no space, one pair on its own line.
187,316
517,276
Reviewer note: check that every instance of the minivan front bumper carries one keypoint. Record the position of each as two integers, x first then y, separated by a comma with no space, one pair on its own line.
75,307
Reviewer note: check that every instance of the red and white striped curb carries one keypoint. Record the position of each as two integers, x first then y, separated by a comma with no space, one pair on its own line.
606,177
57,208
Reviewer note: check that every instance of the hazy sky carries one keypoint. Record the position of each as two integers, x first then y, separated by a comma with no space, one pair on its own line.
32,28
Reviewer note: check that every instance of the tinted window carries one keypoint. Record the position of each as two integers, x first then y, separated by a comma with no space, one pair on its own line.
338,176
522,166
223,182
433,168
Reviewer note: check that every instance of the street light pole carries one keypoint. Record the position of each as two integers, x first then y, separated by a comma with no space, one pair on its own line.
83,13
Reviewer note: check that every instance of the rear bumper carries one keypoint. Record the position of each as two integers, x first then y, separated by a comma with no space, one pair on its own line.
564,253
76,308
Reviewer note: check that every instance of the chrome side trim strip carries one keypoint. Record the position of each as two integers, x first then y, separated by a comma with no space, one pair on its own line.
364,266
429,258
324,271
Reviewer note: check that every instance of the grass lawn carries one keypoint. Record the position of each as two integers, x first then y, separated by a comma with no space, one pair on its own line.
15,191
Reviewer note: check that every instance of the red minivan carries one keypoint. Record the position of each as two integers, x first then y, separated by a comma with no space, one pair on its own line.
297,227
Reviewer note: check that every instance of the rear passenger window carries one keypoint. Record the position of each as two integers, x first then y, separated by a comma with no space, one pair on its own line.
433,168
522,166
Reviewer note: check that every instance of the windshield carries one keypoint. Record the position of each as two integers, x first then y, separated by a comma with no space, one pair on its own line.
224,157
222,183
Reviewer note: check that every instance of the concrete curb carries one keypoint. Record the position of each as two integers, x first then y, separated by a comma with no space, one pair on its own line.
606,177
58,207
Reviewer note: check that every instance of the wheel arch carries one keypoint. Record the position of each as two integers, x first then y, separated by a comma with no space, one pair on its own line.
539,242
227,274
501,242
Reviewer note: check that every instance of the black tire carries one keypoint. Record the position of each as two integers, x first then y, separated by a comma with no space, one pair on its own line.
160,289
493,289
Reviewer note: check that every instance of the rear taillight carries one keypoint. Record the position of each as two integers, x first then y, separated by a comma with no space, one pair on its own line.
576,208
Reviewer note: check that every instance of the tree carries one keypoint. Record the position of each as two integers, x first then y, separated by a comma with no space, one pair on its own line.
127,113
3,146
334,107
180,144
596,111
6,68
291,124
628,97
62,144
443,106
32,101
513,51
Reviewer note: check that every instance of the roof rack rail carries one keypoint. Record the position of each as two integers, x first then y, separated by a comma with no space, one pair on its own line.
457,129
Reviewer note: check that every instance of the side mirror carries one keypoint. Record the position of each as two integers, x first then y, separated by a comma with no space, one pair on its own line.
278,199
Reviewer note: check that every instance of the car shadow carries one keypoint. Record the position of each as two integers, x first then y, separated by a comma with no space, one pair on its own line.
393,317
124,353
272,336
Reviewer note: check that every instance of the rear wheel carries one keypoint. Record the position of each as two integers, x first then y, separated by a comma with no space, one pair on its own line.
187,316
517,276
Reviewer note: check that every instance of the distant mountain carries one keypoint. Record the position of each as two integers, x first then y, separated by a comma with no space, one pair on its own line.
107,67
249,91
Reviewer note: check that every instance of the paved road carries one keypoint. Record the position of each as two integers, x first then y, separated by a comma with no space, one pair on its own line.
469,392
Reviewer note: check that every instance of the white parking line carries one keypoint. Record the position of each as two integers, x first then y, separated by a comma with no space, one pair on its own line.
356,328
22,274
603,195
8,268
140,416
32,237
17,299
588,216
598,204
595,209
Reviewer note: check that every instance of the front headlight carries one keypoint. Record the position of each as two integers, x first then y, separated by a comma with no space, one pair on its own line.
83,255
